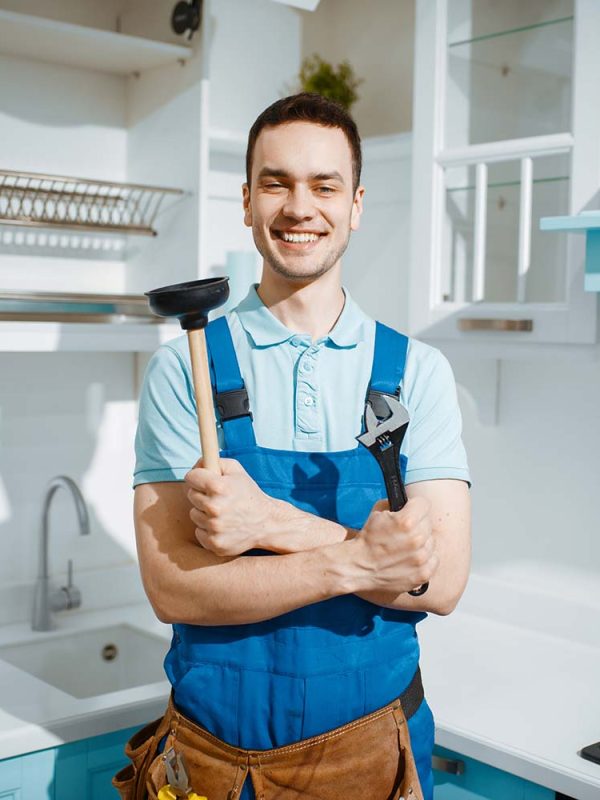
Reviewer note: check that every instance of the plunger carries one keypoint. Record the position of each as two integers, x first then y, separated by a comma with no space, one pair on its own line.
190,302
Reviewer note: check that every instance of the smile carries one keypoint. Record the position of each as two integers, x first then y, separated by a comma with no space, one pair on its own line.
290,237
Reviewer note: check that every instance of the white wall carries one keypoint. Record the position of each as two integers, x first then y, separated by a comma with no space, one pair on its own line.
535,478
376,37
65,414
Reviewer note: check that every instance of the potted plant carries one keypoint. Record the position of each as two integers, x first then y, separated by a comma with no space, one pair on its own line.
336,83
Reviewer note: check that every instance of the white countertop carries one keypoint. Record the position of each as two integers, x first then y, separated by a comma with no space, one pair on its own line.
35,716
516,697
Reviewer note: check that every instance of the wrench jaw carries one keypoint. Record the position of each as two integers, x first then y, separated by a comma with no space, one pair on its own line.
383,439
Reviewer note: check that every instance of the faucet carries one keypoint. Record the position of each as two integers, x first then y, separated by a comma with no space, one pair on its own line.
46,597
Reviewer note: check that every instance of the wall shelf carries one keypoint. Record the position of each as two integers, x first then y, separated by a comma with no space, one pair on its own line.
36,200
587,222
48,337
58,42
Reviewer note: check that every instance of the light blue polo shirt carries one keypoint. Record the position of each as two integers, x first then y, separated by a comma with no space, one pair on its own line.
303,395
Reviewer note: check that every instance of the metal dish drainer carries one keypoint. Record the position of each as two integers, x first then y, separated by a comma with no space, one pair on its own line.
38,200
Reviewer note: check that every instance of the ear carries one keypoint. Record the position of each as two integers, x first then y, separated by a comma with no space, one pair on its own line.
357,208
246,205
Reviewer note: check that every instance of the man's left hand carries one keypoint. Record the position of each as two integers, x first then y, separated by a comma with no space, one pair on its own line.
230,511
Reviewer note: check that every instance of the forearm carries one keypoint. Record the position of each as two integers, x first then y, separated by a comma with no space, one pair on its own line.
198,588
293,530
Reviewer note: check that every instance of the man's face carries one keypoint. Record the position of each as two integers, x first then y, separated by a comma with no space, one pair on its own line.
301,205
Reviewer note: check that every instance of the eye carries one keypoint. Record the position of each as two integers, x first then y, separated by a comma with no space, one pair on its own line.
326,189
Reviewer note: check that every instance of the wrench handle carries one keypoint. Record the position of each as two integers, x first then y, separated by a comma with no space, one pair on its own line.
397,499
390,466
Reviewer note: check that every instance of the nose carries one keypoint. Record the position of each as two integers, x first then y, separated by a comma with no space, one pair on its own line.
299,203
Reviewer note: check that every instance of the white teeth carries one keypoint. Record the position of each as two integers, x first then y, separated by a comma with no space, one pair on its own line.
299,237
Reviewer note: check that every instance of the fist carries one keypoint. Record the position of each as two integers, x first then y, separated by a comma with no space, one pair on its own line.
396,549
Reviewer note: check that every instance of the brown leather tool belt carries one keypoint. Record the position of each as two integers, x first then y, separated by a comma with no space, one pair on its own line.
372,753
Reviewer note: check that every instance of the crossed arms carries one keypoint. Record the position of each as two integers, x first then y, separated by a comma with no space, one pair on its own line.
191,537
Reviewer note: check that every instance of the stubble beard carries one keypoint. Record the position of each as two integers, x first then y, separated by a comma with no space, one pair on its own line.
279,266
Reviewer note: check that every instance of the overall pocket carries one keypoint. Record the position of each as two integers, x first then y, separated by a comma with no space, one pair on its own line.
137,749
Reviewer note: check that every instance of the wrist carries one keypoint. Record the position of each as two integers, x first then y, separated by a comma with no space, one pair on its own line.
347,567
276,522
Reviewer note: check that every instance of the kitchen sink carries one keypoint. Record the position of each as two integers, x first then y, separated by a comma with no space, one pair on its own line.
91,663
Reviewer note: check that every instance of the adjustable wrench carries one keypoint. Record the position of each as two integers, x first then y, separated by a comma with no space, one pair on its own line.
383,439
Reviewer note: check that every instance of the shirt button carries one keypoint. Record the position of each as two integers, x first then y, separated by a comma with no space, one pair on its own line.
295,341
306,367
309,401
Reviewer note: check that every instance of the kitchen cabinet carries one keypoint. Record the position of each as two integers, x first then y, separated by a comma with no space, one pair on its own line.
108,93
85,769
505,132
73,771
480,781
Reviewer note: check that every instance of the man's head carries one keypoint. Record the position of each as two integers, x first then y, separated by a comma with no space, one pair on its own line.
307,107
303,198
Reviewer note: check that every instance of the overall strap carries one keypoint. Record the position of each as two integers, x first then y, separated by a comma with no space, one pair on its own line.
231,397
389,360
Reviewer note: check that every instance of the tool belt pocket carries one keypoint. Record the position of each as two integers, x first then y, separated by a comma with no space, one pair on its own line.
139,749
409,787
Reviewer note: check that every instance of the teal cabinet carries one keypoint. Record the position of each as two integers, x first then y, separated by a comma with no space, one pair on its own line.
481,782
76,771
83,771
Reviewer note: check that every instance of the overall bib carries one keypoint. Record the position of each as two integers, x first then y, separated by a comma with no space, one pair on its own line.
269,684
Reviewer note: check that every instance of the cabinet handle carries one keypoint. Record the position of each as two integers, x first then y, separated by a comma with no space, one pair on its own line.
452,765
481,324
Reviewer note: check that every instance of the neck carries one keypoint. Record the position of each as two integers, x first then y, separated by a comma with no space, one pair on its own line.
311,308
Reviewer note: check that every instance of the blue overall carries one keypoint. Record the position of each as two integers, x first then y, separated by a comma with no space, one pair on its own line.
268,684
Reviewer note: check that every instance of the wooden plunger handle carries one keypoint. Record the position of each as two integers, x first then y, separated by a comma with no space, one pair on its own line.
204,400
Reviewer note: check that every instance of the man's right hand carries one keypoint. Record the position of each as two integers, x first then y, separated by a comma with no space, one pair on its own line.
395,550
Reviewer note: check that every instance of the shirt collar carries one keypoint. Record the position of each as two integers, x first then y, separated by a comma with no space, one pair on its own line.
265,329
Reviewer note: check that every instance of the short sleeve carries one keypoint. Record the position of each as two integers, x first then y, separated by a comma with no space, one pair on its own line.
167,442
433,443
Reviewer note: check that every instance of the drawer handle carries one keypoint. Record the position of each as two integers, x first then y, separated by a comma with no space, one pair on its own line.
452,765
481,324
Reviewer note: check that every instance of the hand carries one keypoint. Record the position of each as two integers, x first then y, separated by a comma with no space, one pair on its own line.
396,549
230,511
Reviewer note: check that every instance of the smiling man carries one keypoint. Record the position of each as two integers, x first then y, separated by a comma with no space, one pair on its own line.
295,660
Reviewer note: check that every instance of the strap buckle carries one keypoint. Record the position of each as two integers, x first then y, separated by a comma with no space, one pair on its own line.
233,404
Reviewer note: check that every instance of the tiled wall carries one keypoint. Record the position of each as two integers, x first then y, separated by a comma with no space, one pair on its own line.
64,414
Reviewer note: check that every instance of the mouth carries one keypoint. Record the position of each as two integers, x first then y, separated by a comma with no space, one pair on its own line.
298,240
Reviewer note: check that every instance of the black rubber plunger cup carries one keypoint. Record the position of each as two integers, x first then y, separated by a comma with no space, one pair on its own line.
190,302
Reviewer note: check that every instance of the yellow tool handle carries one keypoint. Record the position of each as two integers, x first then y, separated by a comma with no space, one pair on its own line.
168,793
204,400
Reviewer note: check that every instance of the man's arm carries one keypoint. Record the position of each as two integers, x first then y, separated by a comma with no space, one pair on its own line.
191,584
450,517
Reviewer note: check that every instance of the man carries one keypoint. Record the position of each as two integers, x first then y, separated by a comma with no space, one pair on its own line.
294,659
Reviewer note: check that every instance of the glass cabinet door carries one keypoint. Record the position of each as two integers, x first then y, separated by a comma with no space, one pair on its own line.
506,125
508,77
509,71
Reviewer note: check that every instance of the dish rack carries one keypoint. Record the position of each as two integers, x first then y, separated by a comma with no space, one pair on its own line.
38,200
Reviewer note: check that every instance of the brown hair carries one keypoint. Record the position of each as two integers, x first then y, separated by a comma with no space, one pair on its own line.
308,107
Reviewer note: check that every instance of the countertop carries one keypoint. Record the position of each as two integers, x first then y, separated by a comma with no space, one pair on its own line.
522,698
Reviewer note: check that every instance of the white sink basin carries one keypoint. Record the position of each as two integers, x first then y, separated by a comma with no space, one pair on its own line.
91,663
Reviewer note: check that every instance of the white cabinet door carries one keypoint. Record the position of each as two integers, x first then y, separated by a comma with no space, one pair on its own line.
506,131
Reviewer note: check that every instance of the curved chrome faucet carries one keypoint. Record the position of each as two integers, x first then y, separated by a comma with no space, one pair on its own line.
46,598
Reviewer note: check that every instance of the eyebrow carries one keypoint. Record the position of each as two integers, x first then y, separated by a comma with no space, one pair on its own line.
275,172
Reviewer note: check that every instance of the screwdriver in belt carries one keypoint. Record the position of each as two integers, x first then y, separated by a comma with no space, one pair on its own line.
179,782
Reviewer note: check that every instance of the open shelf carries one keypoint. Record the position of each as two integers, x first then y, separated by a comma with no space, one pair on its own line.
47,337
77,46
587,222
